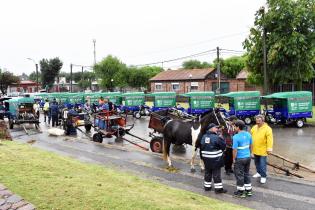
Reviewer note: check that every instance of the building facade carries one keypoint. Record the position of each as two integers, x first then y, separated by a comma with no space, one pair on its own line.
188,80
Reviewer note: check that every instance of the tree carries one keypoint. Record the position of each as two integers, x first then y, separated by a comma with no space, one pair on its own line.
232,66
195,64
49,71
33,76
290,42
109,70
7,78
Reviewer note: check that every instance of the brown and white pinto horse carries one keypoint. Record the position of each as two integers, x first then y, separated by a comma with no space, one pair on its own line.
178,132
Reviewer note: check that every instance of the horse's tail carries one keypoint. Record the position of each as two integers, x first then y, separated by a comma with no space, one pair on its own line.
166,149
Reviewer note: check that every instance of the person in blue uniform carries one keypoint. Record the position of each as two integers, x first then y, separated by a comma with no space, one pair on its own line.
211,152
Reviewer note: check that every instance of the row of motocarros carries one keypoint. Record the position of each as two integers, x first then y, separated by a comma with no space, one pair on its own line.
282,107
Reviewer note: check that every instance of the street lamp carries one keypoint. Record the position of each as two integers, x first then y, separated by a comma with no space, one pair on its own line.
36,66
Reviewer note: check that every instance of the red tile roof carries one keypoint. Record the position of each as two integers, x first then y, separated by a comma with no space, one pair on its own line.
182,74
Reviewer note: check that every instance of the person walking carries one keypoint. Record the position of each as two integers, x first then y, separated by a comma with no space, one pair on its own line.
242,143
211,152
262,146
46,109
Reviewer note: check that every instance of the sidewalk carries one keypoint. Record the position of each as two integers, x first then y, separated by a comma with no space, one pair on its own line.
8,200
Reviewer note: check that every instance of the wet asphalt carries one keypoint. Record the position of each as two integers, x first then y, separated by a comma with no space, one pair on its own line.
278,193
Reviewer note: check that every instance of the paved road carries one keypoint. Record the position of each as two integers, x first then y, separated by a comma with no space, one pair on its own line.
276,194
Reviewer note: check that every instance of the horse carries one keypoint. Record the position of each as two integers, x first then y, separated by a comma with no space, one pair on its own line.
178,132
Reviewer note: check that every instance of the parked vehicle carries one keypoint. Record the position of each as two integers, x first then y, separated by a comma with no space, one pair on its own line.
288,107
244,105
133,103
200,102
21,111
163,100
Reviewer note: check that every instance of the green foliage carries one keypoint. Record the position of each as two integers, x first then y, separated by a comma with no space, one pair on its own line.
7,78
195,64
33,77
49,71
114,73
110,69
290,42
139,77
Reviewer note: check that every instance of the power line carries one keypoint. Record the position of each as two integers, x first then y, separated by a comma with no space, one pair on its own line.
179,58
237,51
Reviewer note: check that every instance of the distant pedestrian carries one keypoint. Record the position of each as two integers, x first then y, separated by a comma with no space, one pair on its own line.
242,143
36,108
2,110
262,146
211,152
46,109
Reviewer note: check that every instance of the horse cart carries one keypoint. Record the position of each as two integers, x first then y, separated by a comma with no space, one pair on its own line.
157,122
244,105
200,102
289,107
21,112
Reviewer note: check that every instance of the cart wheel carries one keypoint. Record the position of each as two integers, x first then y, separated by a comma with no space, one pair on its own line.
299,123
248,120
156,145
137,115
97,137
88,127
11,124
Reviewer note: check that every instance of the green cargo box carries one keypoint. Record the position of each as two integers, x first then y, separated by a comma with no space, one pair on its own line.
164,99
298,101
200,100
134,99
243,100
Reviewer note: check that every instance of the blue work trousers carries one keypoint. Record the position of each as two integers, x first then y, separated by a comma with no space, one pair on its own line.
261,165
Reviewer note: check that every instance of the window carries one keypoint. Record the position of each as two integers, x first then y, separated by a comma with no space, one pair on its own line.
194,86
175,86
158,86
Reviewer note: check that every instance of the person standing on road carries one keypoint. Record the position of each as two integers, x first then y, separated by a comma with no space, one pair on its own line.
228,153
36,109
46,109
242,143
54,112
262,146
2,110
211,152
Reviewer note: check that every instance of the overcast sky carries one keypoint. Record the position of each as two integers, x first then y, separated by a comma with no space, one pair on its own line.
137,32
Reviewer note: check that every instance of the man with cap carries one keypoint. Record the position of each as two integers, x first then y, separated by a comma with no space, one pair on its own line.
211,152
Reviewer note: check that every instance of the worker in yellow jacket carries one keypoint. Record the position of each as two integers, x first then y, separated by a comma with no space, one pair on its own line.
262,146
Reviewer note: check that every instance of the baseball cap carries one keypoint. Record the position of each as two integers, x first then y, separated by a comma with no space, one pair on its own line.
212,125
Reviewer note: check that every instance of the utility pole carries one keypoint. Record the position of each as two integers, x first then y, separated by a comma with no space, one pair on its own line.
264,53
218,71
82,79
37,76
94,41
70,78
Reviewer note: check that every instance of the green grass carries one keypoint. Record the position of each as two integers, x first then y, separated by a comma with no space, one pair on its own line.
312,120
50,181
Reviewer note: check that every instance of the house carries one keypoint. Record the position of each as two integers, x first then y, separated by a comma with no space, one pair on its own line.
24,86
242,78
187,80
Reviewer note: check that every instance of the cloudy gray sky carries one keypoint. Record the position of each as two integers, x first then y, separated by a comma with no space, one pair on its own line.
137,32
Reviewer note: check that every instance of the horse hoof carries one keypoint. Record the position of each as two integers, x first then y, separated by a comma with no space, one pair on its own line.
192,170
